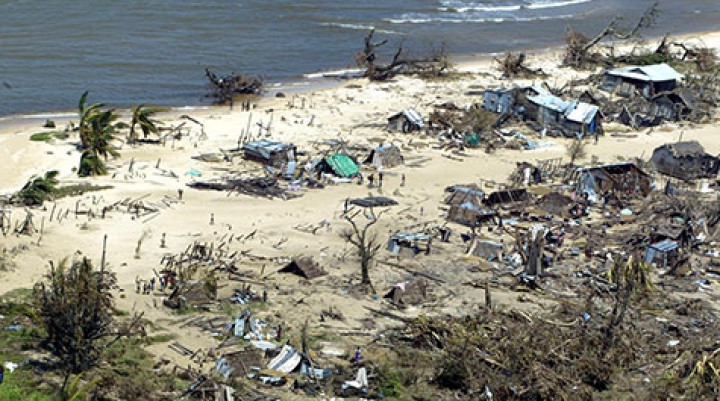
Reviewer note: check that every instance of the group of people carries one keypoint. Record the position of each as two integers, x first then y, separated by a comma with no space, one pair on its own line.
148,286
380,178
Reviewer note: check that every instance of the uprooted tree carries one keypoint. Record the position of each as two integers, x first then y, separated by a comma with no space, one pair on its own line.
579,50
434,64
365,241
224,88
77,310
514,65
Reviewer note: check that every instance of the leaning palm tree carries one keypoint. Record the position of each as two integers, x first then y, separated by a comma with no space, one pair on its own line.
97,130
39,189
142,116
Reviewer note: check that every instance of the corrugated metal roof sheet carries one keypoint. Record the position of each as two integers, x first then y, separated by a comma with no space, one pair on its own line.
410,236
412,115
582,113
665,245
549,102
266,148
650,73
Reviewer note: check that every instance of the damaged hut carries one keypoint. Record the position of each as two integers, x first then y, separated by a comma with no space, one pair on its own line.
459,194
508,197
573,118
648,80
339,164
414,242
304,267
406,121
485,249
466,205
620,179
409,292
270,153
384,157
684,160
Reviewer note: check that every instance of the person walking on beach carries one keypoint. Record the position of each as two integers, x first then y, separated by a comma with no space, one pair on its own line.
180,194
402,180
380,179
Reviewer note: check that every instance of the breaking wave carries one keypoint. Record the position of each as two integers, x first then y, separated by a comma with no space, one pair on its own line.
409,19
357,27
460,6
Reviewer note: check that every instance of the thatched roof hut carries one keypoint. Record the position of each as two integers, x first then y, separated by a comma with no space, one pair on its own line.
304,267
409,293
385,157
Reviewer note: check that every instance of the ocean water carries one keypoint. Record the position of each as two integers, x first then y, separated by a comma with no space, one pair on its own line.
155,51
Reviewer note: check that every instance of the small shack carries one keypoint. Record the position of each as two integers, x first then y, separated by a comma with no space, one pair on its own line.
414,242
385,157
408,292
304,267
470,214
550,109
338,164
271,153
583,119
648,80
663,253
239,363
406,121
459,194
575,118
507,196
485,249
621,179
684,160
499,100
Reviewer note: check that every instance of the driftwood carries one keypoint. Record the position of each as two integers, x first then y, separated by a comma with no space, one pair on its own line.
434,64
225,88
514,66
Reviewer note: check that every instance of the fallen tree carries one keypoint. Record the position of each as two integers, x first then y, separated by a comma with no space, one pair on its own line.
226,87
434,64
579,51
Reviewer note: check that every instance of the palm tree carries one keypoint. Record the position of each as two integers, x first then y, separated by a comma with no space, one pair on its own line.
38,189
142,116
97,130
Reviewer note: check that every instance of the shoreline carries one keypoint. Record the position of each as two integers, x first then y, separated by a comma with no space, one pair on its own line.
313,81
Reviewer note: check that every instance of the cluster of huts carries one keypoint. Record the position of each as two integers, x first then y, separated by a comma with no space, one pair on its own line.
636,96
652,94
282,159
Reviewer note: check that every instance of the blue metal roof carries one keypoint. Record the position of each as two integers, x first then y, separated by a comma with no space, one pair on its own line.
665,245
550,102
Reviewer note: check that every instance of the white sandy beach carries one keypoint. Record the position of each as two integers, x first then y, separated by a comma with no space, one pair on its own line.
355,111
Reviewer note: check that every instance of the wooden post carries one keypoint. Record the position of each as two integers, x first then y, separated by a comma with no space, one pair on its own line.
488,299
52,212
104,250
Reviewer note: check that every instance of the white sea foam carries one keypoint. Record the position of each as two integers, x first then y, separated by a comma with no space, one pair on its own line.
462,7
40,116
358,27
344,73
425,20
554,4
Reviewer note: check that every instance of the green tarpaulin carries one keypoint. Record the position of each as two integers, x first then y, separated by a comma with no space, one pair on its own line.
342,165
